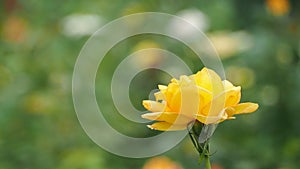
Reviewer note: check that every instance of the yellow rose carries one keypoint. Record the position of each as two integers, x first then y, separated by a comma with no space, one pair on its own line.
203,97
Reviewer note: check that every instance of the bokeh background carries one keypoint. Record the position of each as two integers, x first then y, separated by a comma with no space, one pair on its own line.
258,42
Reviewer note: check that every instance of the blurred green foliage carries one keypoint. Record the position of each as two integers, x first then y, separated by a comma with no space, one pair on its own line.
38,124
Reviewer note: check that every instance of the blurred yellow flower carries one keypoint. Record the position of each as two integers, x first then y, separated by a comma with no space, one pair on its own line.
15,29
216,166
202,96
278,7
161,163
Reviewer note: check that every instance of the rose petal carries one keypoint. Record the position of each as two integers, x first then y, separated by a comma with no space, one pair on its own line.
159,96
164,126
227,85
153,105
233,96
162,87
222,115
242,108
170,117
209,80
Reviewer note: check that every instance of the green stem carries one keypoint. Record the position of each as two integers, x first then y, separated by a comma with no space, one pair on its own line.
202,148
207,163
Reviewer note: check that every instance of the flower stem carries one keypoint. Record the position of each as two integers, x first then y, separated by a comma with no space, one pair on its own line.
202,147
207,163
